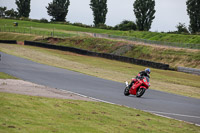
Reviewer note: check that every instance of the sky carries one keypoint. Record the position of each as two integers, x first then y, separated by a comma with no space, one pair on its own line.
168,12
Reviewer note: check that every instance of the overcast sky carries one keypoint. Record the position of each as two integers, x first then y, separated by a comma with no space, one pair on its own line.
168,12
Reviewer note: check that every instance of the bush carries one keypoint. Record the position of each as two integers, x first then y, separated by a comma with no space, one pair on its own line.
104,26
43,20
181,28
81,25
59,22
101,26
126,26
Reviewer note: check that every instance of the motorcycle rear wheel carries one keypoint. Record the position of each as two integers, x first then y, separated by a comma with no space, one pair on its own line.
126,91
140,92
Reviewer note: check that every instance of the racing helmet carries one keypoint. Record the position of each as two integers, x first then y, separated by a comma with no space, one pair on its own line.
147,70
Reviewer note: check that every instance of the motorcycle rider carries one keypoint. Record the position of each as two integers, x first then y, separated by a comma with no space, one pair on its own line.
146,73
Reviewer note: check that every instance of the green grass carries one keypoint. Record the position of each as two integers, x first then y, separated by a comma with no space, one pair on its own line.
168,81
6,76
18,37
30,114
38,31
178,38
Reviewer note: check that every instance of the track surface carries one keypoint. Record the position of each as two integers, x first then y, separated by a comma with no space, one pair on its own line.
174,106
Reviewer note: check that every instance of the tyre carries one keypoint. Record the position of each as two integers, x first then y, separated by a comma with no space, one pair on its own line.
140,92
126,91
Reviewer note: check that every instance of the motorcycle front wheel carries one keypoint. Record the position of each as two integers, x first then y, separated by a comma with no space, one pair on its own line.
140,92
126,91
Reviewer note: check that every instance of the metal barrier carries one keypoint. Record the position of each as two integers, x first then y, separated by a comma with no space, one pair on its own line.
189,70
8,41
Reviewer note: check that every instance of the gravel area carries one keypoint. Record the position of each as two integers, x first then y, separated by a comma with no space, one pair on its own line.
28,88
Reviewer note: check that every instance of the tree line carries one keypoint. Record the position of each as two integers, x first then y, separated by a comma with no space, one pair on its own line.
144,11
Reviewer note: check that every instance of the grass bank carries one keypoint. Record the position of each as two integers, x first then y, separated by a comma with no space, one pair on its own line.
171,56
168,81
165,37
18,36
24,114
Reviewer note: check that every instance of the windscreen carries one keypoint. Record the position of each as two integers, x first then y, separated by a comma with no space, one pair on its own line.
147,78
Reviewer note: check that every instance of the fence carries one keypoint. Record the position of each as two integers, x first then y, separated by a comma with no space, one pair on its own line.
171,44
37,31
189,70
103,55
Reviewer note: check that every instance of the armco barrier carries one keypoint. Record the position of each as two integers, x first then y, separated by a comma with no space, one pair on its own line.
8,41
189,70
103,55
63,48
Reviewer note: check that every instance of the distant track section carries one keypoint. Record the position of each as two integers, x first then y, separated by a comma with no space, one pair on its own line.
145,41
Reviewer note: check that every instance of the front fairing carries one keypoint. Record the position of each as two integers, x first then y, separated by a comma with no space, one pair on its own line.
135,86
146,82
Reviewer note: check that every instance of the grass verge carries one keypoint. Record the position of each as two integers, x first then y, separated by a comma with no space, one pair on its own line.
6,76
168,81
24,114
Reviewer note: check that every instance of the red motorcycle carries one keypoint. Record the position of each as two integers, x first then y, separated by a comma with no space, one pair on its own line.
141,84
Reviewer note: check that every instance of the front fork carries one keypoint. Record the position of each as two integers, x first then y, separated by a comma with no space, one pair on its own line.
130,85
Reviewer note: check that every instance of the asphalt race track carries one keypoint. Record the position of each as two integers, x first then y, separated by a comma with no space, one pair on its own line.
169,105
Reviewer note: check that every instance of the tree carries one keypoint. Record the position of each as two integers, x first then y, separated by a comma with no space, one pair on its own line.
2,11
58,9
23,7
193,9
99,8
11,13
126,25
181,28
144,12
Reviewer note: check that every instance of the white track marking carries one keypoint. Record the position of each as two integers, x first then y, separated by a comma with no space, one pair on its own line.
162,114
172,114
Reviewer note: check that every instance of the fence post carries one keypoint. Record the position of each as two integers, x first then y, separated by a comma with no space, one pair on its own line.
53,31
